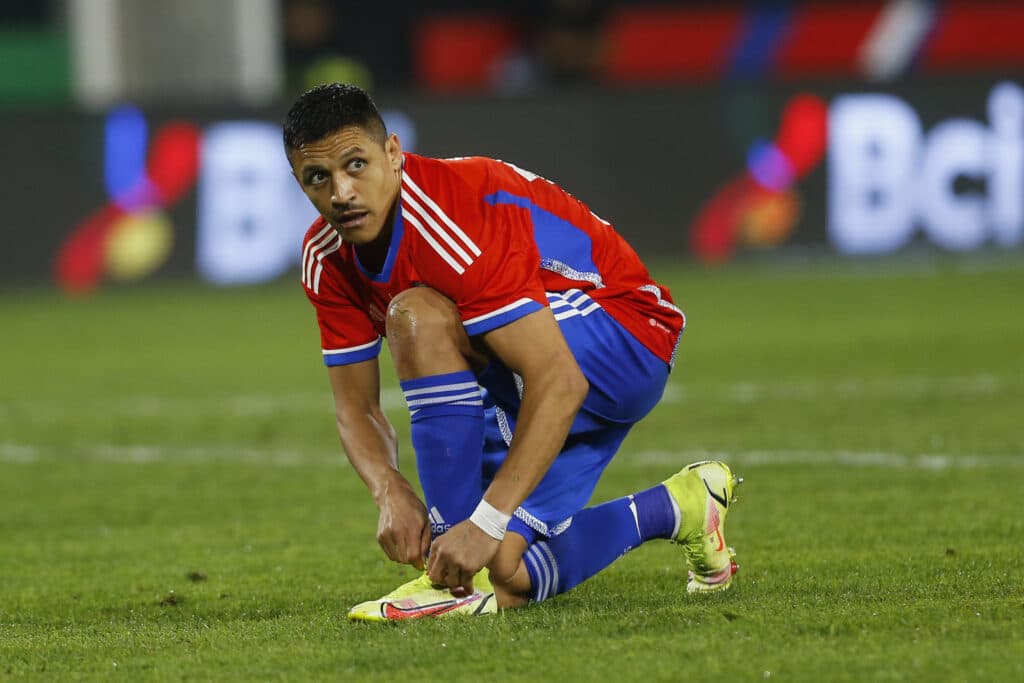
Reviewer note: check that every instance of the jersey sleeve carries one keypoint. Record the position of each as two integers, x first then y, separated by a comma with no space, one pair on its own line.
347,334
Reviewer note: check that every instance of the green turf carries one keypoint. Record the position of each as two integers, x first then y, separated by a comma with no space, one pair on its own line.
174,505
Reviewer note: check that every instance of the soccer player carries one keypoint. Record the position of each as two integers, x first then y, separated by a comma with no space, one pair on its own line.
528,338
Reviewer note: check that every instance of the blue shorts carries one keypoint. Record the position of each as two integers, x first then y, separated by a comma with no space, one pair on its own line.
626,381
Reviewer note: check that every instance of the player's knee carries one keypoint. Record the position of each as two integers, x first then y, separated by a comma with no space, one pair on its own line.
426,336
421,312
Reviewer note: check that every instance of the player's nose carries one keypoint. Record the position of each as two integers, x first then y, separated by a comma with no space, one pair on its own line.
343,190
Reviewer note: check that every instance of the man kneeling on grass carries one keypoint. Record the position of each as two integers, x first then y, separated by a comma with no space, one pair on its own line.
528,337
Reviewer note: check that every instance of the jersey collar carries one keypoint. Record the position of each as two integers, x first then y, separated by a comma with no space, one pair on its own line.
398,227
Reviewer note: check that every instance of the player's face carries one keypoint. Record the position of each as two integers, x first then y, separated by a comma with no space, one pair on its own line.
352,179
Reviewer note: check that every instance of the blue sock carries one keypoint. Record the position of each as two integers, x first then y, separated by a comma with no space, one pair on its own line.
447,431
597,537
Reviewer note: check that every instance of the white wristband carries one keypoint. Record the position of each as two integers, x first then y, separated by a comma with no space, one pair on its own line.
491,520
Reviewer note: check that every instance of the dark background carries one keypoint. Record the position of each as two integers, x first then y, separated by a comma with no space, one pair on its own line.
644,159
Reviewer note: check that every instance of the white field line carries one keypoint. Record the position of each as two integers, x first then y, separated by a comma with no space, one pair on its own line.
143,454
270,405
841,389
146,407
826,458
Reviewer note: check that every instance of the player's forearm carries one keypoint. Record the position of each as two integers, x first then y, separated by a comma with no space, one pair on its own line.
549,406
372,448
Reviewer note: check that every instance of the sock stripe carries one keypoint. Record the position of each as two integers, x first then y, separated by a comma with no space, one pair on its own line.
460,386
531,569
542,590
534,571
435,400
441,391
554,567
636,517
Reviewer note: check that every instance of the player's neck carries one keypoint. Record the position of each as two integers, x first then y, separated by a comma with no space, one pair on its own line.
373,255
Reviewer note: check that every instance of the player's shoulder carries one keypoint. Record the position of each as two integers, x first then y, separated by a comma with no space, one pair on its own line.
481,174
429,170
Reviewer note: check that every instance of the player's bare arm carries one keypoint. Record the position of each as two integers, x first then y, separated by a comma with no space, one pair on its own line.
370,443
553,391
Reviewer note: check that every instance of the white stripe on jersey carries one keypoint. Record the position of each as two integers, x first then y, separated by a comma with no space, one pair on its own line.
311,244
315,255
456,266
307,265
442,215
412,206
320,264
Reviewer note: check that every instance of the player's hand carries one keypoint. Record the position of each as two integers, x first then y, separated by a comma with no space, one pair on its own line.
403,530
458,554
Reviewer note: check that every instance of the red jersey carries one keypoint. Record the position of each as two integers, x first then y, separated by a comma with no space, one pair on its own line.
500,242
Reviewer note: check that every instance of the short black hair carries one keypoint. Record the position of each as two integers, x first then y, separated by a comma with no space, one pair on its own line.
322,110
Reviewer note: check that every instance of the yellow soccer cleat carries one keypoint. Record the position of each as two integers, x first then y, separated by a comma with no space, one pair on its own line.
420,599
703,491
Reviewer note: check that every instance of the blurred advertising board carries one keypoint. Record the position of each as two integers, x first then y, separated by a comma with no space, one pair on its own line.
701,172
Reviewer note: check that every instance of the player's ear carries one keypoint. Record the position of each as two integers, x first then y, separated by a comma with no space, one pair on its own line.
393,148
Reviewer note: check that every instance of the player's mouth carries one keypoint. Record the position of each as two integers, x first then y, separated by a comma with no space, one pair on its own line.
352,219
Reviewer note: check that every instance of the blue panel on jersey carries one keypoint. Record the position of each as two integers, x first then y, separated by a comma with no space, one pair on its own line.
560,242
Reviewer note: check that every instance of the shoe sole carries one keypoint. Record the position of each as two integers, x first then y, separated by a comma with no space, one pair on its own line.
474,605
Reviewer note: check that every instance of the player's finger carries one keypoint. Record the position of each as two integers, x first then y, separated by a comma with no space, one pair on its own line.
465,581
413,554
424,544
396,551
431,564
396,548
464,586
419,560
387,544
451,576
436,572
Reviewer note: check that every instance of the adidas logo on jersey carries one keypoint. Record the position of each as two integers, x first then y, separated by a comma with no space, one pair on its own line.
437,524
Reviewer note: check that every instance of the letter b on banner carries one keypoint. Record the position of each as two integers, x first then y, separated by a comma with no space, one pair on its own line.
873,147
252,214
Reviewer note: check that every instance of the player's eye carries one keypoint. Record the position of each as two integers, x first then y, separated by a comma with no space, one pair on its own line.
356,165
316,177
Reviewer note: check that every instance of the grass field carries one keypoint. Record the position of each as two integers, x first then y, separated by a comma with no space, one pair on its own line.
174,504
